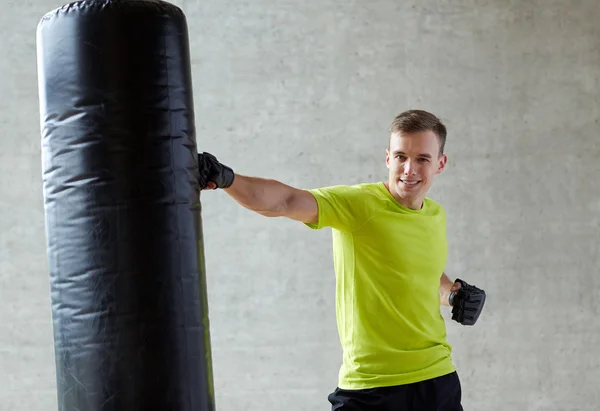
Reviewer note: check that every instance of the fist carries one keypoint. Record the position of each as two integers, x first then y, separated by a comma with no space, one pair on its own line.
213,174
467,302
455,287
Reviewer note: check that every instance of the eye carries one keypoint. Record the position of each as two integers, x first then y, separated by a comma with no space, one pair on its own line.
400,157
424,160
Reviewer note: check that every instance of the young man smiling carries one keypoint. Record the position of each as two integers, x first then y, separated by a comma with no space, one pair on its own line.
390,251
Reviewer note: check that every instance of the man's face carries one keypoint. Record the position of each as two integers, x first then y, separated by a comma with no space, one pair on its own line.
413,160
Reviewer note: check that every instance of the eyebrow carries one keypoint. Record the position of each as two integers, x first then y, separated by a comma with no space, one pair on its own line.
420,155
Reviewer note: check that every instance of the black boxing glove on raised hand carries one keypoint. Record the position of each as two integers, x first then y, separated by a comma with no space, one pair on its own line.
212,170
467,303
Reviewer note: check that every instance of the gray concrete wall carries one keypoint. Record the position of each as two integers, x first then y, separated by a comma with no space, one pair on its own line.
303,92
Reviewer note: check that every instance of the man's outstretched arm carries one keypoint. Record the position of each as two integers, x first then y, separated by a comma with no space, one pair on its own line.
272,198
268,197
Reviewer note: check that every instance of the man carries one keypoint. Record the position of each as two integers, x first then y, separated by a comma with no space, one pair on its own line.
390,252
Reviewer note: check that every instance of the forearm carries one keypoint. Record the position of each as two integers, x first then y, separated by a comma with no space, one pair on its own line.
264,196
445,289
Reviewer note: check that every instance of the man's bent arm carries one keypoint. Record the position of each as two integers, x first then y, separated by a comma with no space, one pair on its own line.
272,198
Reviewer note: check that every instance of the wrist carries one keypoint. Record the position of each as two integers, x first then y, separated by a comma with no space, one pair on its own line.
445,297
451,298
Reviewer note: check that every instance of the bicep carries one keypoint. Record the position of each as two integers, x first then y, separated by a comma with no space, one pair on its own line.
301,206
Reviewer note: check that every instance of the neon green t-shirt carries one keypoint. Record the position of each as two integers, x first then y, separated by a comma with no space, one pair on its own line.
388,262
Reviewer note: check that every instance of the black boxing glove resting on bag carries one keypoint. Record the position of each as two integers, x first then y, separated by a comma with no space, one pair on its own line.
212,170
467,303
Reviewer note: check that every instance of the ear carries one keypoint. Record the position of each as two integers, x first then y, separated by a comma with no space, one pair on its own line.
387,157
442,160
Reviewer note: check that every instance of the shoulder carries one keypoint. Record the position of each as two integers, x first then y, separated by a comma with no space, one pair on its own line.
355,191
433,204
363,196
345,207
433,208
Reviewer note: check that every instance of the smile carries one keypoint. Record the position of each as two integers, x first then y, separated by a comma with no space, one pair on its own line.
410,182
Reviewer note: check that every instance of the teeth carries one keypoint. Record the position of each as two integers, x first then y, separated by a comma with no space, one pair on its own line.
410,182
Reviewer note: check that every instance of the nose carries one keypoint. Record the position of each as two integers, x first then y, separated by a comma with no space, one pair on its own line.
409,168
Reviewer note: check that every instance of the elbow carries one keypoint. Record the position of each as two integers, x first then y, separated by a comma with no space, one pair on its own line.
269,209
277,210
269,198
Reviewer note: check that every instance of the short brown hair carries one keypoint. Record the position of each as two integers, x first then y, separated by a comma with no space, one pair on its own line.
418,120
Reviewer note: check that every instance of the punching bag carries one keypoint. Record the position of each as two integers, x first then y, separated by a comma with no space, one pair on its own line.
122,208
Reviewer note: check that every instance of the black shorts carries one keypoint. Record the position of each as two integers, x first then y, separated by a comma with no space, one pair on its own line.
437,394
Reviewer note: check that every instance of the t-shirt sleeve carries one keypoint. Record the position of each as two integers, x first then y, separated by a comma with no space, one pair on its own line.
340,207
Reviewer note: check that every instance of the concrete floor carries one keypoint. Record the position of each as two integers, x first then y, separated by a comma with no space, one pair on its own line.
304,92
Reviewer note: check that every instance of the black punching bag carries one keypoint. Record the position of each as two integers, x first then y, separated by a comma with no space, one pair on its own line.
122,208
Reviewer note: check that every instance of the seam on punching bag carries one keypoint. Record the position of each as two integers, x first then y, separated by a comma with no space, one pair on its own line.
175,197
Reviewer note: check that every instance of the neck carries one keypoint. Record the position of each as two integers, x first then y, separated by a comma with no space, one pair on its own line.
413,204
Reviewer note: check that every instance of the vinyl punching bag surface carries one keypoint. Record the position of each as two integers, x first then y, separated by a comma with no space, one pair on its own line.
123,216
